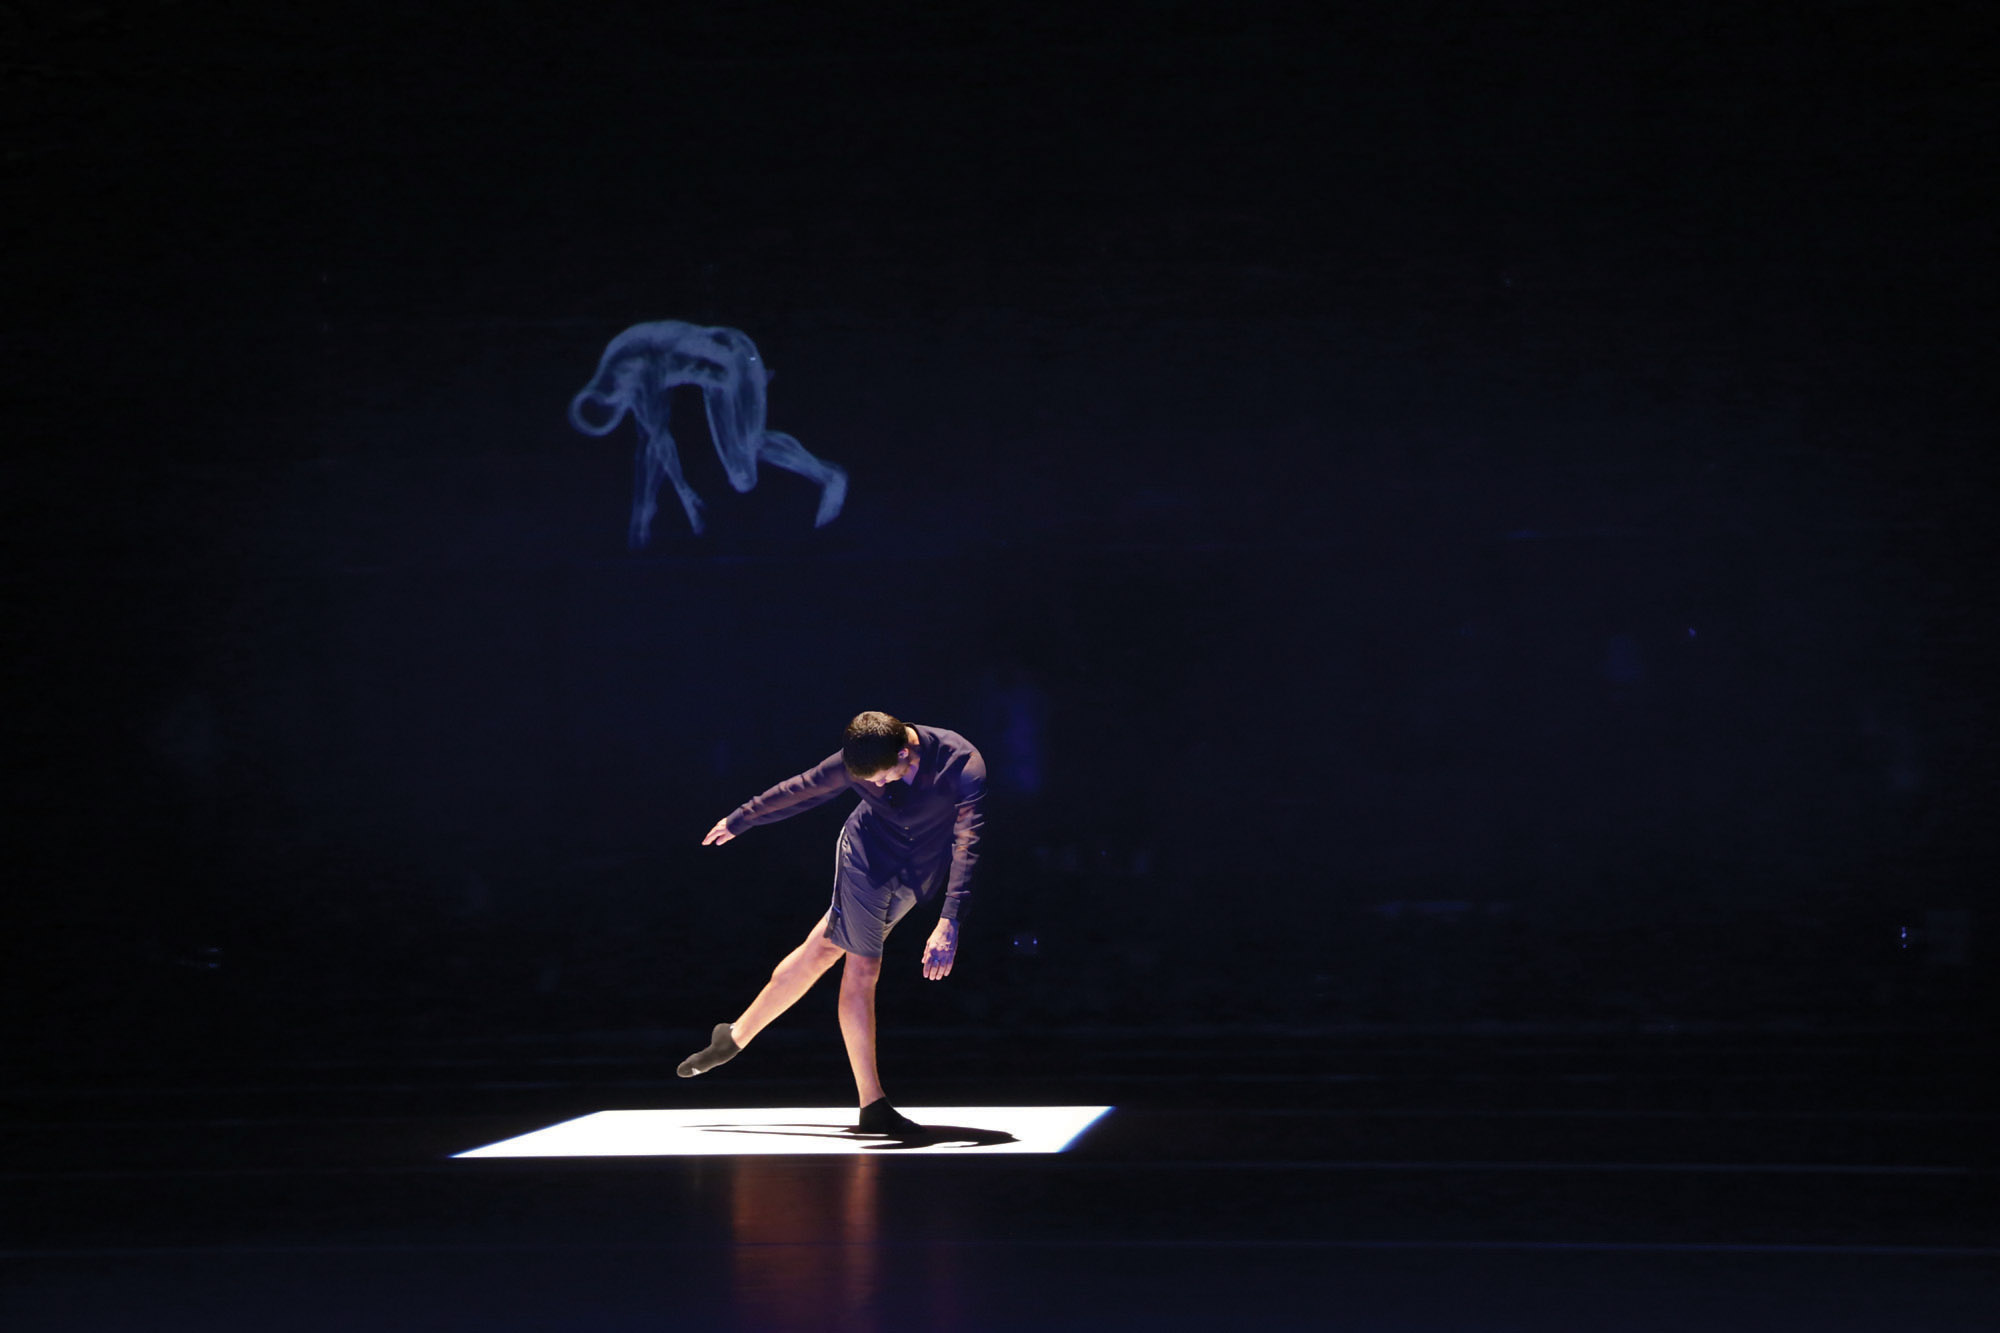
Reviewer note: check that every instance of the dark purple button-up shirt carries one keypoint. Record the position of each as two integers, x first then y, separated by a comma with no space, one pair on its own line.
902,828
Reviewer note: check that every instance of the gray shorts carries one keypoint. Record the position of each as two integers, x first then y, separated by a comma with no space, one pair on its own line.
865,909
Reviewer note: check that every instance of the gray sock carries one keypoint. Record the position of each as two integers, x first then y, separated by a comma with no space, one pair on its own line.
878,1117
722,1048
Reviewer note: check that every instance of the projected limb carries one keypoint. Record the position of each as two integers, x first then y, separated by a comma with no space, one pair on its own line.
638,373
781,450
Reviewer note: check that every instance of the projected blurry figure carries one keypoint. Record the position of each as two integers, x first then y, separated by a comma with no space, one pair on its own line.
912,839
640,370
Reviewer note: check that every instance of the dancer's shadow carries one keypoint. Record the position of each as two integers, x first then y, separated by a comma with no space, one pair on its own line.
921,1136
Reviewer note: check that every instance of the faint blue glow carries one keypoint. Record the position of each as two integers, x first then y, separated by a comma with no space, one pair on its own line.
1622,660
1021,738
638,373
794,1131
206,959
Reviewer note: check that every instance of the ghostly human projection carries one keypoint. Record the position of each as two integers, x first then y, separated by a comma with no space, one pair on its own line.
640,370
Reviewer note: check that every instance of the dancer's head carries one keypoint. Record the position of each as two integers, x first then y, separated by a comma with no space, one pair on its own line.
877,749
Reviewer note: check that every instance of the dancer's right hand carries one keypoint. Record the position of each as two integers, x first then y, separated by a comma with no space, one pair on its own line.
719,834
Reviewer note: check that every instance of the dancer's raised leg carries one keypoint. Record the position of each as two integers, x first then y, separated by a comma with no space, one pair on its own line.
790,979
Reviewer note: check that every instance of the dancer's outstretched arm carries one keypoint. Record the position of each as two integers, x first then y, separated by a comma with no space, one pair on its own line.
816,786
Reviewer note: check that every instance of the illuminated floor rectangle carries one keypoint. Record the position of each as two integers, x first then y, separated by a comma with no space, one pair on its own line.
795,1130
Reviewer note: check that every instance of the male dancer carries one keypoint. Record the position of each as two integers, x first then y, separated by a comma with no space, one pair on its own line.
916,831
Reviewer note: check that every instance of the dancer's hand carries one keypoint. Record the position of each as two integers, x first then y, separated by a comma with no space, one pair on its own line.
939,951
719,834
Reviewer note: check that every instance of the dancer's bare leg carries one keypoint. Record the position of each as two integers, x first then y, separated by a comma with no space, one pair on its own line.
857,1023
790,979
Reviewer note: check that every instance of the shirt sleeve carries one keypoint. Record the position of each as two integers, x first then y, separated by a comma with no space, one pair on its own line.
816,786
966,826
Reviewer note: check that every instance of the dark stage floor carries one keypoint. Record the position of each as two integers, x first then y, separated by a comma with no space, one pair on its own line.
1262,1180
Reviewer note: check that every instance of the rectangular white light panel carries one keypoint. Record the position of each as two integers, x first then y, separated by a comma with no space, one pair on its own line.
794,1130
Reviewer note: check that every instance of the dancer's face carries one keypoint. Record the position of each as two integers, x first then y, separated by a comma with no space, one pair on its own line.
906,764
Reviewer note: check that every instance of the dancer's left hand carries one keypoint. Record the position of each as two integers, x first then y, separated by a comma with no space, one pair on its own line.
940,950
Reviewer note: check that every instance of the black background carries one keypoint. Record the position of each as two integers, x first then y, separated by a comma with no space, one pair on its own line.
1459,515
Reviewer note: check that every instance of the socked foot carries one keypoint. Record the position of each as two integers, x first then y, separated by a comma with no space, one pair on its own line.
721,1049
878,1117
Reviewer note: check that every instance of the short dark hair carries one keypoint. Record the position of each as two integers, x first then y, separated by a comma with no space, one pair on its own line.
871,743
